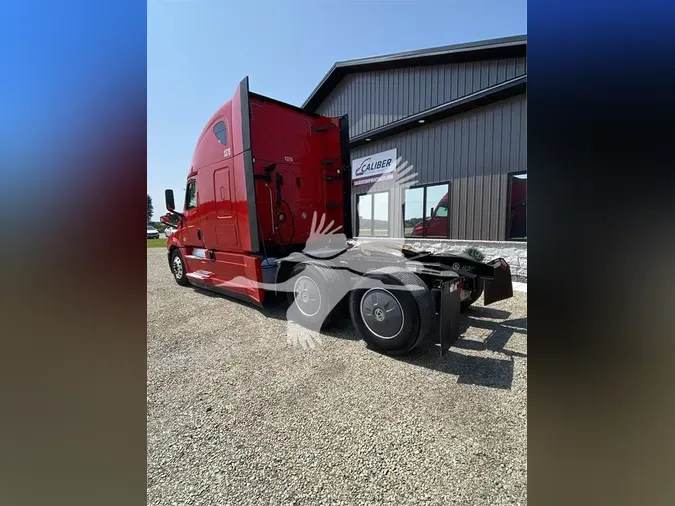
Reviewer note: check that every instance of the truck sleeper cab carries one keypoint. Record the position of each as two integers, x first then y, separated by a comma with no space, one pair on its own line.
261,173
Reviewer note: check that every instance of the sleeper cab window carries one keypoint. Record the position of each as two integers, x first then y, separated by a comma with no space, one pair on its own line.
220,131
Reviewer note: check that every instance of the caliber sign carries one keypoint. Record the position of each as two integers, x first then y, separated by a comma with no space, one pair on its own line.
378,167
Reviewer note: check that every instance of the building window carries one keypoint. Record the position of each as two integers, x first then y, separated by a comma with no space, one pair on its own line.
517,218
191,195
426,211
373,215
220,131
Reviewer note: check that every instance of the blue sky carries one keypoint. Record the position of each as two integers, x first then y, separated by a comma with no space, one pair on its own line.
199,50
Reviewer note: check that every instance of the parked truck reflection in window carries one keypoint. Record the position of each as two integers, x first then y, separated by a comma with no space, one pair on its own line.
427,211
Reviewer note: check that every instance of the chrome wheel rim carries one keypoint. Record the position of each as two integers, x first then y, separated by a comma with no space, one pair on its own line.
307,296
177,267
382,313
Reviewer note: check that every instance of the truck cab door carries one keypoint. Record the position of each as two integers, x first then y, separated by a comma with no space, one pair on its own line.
437,226
192,234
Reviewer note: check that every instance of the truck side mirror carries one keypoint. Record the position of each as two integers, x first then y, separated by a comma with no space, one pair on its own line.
168,197
432,213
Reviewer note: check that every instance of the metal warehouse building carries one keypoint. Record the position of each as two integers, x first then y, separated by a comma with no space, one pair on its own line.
457,116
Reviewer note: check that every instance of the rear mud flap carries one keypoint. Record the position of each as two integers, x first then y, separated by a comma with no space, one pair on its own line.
449,315
500,286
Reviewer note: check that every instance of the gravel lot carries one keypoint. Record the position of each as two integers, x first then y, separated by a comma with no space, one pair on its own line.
239,413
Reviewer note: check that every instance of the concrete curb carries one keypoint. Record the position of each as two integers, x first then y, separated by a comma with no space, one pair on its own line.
519,287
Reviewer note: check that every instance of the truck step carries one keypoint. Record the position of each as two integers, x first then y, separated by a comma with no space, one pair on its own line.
201,275
329,161
334,204
323,128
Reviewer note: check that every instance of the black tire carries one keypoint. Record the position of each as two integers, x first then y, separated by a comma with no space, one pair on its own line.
412,300
475,294
307,279
179,274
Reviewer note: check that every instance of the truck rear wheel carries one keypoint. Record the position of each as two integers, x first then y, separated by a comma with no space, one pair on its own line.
178,268
392,310
313,301
475,294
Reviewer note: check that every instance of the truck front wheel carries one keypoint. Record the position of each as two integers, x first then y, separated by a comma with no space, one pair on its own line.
178,268
392,310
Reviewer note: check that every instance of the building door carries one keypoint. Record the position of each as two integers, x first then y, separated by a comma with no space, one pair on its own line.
517,219
372,216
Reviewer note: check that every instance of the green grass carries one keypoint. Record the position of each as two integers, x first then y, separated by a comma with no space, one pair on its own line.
157,243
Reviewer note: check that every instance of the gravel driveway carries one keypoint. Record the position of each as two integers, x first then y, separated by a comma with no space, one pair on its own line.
239,413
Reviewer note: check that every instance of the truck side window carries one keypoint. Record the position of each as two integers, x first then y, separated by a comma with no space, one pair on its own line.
442,212
191,195
220,131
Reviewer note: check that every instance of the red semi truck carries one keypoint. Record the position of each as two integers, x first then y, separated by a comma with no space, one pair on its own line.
436,225
262,174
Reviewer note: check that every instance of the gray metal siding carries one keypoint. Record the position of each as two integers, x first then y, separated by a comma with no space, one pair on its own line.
374,99
475,152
